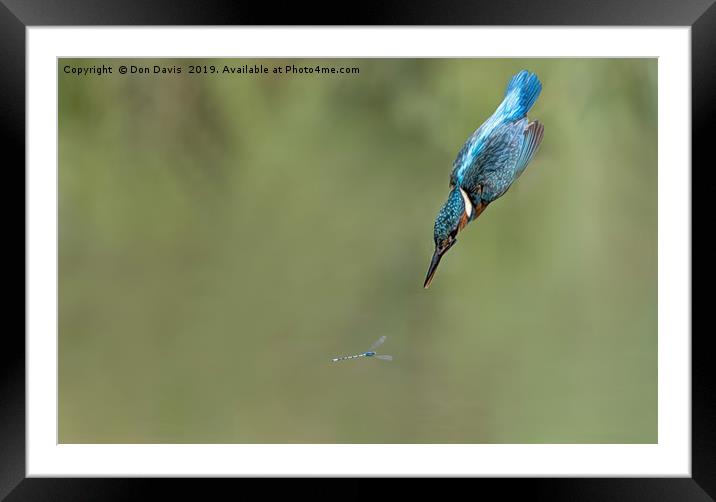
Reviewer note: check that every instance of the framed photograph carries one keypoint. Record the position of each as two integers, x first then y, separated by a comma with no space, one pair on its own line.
435,243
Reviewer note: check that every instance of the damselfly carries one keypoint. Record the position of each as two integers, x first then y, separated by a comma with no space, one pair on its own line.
370,353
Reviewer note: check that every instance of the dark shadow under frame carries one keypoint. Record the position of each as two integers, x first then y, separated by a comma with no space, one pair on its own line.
15,15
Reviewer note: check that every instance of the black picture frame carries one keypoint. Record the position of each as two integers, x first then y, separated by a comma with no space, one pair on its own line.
16,15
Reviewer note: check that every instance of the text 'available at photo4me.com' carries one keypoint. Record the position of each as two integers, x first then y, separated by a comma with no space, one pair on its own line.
194,69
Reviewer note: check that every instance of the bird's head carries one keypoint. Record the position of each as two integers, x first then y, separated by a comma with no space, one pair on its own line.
452,218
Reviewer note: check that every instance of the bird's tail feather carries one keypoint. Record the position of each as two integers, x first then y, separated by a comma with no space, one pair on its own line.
520,95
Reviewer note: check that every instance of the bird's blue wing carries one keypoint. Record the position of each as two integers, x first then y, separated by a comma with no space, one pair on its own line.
469,152
493,171
520,95
533,138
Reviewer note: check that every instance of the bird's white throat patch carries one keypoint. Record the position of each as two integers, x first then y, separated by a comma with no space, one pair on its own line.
468,204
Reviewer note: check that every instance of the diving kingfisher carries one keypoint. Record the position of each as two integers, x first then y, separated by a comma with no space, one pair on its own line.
491,159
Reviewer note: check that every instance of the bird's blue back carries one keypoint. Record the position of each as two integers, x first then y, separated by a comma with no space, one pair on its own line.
500,137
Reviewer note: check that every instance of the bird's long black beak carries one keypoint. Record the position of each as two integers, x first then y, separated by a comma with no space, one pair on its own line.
437,256
433,267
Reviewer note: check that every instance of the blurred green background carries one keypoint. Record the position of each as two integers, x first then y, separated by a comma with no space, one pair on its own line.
222,237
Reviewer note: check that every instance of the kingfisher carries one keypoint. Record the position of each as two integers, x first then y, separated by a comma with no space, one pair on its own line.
491,159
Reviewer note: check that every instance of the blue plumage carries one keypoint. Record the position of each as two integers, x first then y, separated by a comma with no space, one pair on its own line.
451,212
491,159
520,95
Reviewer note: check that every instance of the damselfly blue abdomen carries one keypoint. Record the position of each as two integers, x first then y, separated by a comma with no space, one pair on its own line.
370,353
